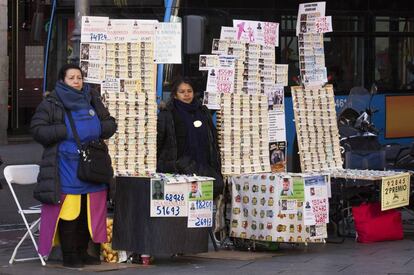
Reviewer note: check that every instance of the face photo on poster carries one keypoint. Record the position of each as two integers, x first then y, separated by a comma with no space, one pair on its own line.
195,190
157,190
287,187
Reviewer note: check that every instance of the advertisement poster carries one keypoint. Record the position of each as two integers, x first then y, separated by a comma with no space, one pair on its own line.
143,30
277,153
307,14
395,191
200,205
259,32
208,62
316,210
277,127
219,46
93,51
93,71
168,43
168,200
94,29
120,30
110,86
220,80
260,213
211,100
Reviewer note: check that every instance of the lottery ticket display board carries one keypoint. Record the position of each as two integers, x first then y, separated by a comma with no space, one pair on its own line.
120,55
316,128
280,207
242,124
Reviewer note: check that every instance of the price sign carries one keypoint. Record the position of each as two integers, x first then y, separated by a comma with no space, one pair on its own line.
395,191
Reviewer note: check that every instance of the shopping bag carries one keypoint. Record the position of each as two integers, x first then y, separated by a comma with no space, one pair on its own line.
374,225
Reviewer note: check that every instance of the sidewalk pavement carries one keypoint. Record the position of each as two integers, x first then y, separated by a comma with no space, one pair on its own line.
386,258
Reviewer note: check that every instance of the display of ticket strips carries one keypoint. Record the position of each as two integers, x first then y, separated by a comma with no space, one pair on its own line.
311,25
316,128
128,93
242,124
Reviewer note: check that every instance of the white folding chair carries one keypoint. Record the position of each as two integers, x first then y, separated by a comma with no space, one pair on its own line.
24,175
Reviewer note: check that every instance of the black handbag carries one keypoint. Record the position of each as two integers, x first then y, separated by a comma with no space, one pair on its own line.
94,163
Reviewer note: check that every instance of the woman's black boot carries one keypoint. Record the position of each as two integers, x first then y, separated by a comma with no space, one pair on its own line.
69,244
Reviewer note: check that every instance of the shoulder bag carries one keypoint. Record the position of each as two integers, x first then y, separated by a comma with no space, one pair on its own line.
94,163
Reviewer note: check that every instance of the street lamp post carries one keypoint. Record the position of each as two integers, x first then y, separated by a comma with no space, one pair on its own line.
81,9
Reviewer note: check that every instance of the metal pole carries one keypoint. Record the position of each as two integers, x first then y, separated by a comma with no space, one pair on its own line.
81,9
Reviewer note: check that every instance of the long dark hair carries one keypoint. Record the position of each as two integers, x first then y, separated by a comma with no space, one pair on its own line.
180,81
65,68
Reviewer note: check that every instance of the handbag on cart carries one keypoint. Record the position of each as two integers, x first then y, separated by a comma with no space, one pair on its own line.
374,225
95,164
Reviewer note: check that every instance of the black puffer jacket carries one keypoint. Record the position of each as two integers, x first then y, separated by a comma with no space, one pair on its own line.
171,138
48,128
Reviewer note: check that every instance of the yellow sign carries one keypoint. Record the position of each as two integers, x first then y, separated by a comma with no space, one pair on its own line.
395,191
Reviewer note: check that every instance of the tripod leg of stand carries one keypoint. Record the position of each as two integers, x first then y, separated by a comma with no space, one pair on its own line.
210,232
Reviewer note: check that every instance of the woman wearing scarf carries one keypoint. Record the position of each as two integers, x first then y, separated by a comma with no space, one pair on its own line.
73,211
186,136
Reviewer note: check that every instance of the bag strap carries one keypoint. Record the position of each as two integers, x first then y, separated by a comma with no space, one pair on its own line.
74,131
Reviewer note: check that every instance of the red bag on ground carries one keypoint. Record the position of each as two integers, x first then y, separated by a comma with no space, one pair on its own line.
374,225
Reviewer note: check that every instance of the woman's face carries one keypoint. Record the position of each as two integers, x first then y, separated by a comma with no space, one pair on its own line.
73,78
185,93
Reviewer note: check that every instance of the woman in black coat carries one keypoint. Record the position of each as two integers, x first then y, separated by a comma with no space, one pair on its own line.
76,208
187,137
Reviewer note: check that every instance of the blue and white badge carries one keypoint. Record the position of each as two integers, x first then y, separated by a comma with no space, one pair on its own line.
91,112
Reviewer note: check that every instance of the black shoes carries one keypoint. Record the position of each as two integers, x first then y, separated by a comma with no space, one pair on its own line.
72,260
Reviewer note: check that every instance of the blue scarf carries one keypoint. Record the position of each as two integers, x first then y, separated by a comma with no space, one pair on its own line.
71,98
196,143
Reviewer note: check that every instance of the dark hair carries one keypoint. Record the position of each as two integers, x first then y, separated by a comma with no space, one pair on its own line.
178,82
65,68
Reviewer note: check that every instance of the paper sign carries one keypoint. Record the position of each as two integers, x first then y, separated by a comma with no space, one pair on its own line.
208,61
168,43
143,31
93,51
220,80
211,100
93,71
228,33
395,191
200,206
307,14
323,24
219,46
168,200
94,29
110,86
316,210
259,32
